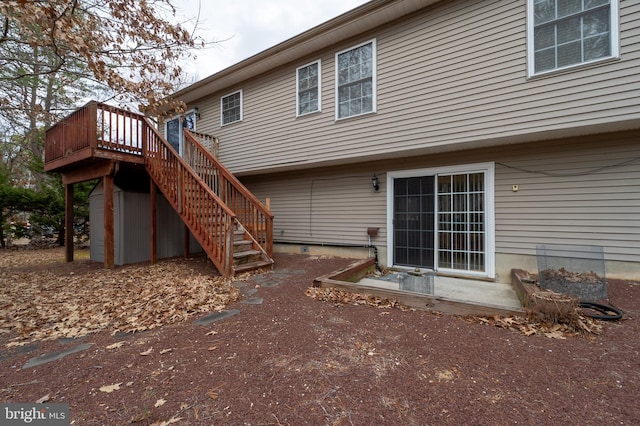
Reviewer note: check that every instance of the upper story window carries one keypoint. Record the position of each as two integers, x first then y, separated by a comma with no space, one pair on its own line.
564,33
356,80
308,88
231,107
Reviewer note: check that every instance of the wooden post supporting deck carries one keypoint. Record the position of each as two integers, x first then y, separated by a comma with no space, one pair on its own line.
154,222
109,232
68,222
76,176
186,241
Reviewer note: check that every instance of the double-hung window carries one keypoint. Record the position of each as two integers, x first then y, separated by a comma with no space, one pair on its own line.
356,80
231,108
308,88
565,33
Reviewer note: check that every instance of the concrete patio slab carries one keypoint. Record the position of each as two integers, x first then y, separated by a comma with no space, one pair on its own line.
479,292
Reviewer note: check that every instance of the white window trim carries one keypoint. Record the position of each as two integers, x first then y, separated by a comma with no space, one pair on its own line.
374,58
178,116
222,123
615,42
490,241
319,62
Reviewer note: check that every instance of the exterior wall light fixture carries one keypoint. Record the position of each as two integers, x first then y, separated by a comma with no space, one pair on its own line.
375,183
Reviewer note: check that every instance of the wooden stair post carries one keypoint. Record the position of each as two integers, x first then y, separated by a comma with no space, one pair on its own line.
68,222
154,221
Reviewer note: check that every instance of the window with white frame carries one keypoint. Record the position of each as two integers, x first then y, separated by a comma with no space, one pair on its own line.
231,108
443,219
356,80
308,88
565,33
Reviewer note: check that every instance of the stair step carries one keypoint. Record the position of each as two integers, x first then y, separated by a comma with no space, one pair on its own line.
252,266
246,253
242,246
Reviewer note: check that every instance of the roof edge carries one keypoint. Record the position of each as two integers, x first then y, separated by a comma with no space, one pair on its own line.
348,24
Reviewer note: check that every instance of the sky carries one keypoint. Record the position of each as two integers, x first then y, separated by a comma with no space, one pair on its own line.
243,28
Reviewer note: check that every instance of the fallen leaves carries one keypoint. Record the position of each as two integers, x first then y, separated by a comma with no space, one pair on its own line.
168,422
110,388
530,327
49,302
445,376
43,399
348,298
147,352
115,345
160,402
21,258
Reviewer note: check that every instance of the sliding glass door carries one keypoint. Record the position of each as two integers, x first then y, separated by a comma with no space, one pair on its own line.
442,219
461,239
413,215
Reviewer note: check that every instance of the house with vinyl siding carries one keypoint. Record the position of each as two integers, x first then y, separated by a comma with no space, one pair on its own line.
452,135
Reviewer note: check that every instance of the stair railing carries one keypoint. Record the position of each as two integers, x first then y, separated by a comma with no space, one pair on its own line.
254,216
211,222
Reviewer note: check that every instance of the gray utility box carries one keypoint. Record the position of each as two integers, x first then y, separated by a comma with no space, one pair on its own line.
416,281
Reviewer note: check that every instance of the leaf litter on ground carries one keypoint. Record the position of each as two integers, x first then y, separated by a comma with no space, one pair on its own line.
522,324
45,303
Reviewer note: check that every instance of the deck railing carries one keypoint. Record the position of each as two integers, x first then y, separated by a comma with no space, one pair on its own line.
95,125
254,216
206,215
208,198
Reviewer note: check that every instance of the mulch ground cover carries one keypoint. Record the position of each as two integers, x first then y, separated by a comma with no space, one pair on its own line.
287,358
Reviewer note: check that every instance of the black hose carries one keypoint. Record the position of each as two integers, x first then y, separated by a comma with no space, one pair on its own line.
375,252
607,313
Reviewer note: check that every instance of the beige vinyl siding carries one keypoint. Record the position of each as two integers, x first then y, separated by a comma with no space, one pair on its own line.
584,202
591,198
331,207
449,77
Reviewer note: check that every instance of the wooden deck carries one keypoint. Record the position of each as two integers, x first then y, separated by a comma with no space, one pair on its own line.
94,136
101,141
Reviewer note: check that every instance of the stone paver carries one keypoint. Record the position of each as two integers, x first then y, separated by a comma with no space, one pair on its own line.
216,316
53,356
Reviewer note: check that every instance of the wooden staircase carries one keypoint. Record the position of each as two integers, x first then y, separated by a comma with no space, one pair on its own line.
233,227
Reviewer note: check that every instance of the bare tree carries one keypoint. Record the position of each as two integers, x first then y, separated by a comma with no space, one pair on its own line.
133,47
